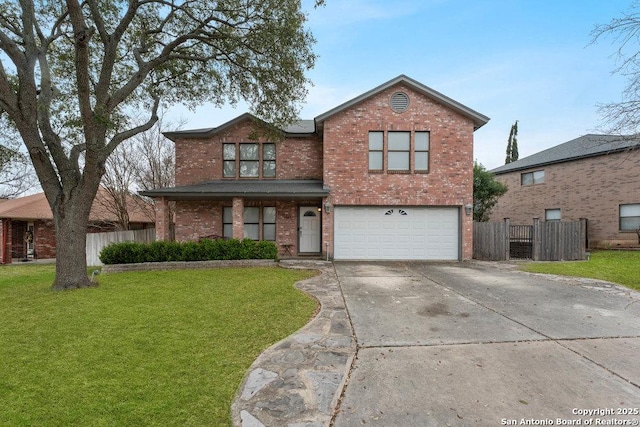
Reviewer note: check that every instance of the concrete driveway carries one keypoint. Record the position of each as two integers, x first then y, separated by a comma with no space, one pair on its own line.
456,344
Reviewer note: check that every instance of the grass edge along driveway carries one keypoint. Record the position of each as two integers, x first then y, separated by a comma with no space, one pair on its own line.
622,267
143,348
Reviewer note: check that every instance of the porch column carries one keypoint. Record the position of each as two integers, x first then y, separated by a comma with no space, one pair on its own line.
238,218
5,241
162,219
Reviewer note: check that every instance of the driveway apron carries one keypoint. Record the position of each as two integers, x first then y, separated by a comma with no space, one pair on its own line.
471,344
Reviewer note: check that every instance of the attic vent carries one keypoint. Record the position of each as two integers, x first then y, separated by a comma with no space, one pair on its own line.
399,102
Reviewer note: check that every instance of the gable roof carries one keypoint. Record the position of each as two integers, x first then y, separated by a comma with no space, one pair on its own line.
36,206
580,148
478,119
299,127
308,127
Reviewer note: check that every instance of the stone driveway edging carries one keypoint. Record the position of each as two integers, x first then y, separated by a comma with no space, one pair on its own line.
298,381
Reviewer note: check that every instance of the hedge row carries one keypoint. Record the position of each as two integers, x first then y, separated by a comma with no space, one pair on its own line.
205,250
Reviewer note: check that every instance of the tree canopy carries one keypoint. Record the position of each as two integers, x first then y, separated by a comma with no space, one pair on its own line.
77,77
623,117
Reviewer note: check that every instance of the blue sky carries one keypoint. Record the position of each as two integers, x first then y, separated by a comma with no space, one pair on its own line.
510,60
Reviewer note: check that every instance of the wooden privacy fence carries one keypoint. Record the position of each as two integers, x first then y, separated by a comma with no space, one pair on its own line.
542,241
97,241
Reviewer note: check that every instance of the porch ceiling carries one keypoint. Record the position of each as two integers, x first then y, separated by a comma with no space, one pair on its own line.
248,189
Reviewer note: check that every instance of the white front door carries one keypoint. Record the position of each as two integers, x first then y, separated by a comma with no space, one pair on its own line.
309,229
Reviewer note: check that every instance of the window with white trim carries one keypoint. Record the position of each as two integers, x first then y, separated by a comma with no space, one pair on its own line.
630,217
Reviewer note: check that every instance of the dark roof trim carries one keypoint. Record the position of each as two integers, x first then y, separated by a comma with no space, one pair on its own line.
300,128
249,189
479,120
584,147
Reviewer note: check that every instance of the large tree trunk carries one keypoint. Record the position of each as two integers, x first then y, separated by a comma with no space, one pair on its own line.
71,237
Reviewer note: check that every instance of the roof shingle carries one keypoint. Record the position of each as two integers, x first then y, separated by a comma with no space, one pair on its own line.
585,146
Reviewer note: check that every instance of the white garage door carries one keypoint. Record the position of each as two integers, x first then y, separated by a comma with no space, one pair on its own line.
392,233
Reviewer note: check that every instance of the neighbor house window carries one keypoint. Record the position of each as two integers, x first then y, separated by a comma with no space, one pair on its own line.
244,160
630,217
402,154
552,215
253,222
535,177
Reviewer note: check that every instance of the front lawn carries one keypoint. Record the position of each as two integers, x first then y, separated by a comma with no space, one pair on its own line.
165,348
621,267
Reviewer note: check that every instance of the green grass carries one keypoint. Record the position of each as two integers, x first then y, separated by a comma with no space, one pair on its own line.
621,267
142,349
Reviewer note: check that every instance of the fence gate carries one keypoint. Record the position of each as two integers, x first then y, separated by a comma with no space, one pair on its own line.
521,241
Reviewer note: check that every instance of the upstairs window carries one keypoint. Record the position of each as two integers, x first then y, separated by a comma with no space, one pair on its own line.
630,217
249,160
422,151
530,178
399,151
399,146
376,150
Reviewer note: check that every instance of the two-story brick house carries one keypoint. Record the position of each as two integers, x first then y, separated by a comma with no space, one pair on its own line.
386,175
596,177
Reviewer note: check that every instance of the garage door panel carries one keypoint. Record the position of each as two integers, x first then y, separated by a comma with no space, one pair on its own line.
391,233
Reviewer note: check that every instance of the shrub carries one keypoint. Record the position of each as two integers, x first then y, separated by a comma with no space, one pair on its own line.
204,250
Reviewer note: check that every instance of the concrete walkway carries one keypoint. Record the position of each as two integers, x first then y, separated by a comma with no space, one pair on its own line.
298,381
461,344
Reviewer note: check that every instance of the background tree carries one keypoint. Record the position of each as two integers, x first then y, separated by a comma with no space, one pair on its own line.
73,73
144,162
512,144
117,193
156,164
623,117
486,191
16,174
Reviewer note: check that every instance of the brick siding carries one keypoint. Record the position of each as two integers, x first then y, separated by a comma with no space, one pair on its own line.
591,188
450,178
339,157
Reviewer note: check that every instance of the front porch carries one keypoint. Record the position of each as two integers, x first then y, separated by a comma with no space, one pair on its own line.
289,213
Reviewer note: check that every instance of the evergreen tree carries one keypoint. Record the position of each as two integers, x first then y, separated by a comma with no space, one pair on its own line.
512,144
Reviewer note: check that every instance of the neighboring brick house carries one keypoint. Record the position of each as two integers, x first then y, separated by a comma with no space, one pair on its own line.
386,175
27,230
596,177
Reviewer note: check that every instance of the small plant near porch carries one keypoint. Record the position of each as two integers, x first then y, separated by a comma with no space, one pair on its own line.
205,250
